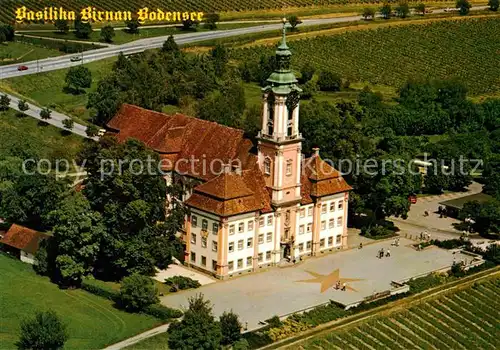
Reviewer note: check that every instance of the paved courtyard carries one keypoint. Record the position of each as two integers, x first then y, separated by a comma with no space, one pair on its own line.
281,291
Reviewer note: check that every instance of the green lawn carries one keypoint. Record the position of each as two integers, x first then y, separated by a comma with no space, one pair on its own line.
14,52
121,36
92,321
158,342
46,89
25,137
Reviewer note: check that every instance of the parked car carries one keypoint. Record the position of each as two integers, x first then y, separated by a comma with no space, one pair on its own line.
20,68
101,132
75,59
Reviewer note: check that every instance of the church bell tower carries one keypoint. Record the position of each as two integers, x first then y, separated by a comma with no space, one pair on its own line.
279,141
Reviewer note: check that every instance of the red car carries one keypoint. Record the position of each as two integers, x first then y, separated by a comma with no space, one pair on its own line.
22,68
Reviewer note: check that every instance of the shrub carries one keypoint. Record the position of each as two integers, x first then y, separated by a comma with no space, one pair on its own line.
274,322
44,331
99,290
137,292
377,231
288,328
329,81
162,312
177,283
230,327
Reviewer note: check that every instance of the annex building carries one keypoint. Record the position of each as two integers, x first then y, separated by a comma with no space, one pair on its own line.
250,210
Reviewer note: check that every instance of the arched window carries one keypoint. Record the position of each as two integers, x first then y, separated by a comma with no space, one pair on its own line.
267,166
270,114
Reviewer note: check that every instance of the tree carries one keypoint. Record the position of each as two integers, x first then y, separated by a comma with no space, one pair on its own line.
294,22
198,329
4,102
107,33
189,24
211,20
494,5
463,7
92,131
329,81
23,106
133,26
306,73
82,29
3,38
8,32
76,234
62,26
420,8
105,100
44,331
78,78
231,327
68,123
486,216
403,10
368,13
220,58
170,45
386,11
45,114
435,180
137,292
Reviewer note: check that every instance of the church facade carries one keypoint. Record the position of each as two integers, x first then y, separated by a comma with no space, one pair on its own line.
261,209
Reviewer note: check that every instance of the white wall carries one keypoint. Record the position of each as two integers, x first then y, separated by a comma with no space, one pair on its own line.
27,258
248,223
196,247
336,231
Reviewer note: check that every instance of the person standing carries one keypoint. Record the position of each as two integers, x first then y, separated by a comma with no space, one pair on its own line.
388,253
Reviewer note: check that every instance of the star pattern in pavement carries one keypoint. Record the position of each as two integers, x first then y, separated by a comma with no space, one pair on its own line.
328,281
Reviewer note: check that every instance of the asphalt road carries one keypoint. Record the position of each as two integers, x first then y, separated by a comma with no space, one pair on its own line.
61,62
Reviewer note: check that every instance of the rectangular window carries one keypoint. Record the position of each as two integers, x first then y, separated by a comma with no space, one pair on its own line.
269,237
330,241
193,238
240,263
309,228
231,230
250,225
301,229
339,221
301,247
323,225
204,224
240,244
289,168
332,206
322,243
230,266
215,228
203,260
341,205
261,257
214,265
214,246
249,261
250,243
331,223
261,222
303,213
241,227
194,221
261,238
308,245
269,220
193,257
339,239
310,211
268,255
231,247
323,209
203,242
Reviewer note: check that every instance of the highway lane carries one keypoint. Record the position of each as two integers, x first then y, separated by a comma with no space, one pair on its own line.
61,62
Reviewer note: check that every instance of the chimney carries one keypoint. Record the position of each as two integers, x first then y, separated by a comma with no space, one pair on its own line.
316,151
236,168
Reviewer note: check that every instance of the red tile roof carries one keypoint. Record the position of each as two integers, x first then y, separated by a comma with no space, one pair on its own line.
179,137
23,238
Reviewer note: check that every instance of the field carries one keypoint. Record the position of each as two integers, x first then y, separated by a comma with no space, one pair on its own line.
467,319
25,138
92,321
462,49
14,52
46,89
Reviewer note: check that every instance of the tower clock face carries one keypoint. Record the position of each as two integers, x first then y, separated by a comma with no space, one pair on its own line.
292,101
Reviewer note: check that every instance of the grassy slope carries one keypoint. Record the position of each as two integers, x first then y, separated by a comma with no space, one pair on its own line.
14,52
46,89
158,342
20,134
92,321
